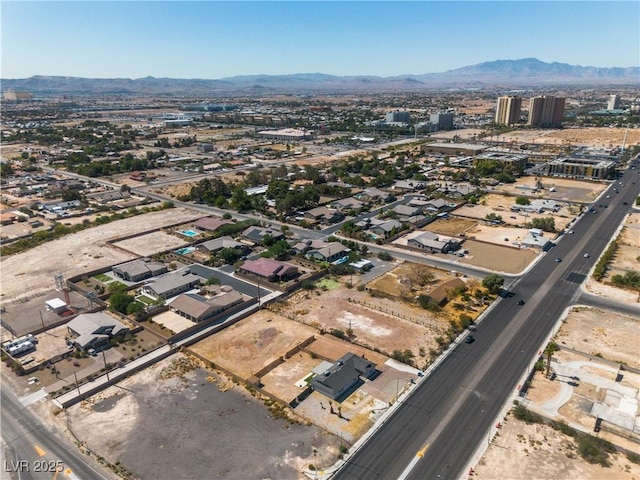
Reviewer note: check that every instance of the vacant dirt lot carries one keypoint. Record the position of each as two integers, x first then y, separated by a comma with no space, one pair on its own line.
537,452
614,336
253,343
31,272
566,190
181,421
150,243
452,226
592,136
627,256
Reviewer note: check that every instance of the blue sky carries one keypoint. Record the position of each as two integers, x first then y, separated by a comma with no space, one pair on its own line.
206,39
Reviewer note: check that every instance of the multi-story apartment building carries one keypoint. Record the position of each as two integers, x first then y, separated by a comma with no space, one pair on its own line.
546,111
508,110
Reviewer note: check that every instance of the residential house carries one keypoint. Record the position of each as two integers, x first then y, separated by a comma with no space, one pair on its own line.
407,211
536,239
108,196
95,330
210,224
215,245
198,308
384,229
442,293
436,205
138,270
323,215
303,247
333,252
269,270
434,243
346,204
373,195
257,234
537,206
408,185
171,284
343,376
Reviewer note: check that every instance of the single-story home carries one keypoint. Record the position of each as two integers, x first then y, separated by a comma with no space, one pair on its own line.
138,270
95,330
385,228
257,234
210,224
346,204
303,247
198,308
217,244
407,210
323,215
535,239
441,293
269,270
434,243
331,253
345,374
171,284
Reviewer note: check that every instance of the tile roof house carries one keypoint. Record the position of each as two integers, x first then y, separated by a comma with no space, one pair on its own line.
210,224
198,308
138,270
331,253
304,246
323,215
94,330
344,376
256,234
434,243
171,284
436,205
408,185
346,204
373,195
270,270
217,244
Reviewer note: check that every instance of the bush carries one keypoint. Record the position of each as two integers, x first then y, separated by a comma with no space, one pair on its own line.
521,413
385,256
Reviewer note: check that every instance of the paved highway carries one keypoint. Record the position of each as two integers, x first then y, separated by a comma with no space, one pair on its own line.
31,451
436,431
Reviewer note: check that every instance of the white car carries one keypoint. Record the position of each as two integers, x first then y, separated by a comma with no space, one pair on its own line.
586,255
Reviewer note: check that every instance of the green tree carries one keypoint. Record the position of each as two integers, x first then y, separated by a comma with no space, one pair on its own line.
120,301
522,200
549,350
493,282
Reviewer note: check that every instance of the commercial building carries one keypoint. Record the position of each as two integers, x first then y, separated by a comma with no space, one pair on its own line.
614,102
286,134
508,110
546,111
574,167
442,120
397,116
516,160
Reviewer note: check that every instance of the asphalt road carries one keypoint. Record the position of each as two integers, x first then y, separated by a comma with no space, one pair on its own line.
31,451
436,431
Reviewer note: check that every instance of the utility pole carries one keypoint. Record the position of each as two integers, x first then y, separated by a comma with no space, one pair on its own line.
76,377
104,358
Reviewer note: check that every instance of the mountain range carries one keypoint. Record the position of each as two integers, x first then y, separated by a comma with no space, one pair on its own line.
526,72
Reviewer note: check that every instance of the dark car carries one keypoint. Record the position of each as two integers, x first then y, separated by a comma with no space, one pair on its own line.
521,302
625,203
469,339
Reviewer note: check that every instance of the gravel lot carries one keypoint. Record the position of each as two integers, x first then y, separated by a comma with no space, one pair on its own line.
188,426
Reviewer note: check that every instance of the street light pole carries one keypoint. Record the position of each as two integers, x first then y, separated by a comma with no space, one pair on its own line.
104,358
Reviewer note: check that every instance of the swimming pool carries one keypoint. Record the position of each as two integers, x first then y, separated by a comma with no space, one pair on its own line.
188,233
185,250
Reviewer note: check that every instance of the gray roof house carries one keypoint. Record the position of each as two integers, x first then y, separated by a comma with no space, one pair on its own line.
217,244
256,234
345,204
384,229
407,210
138,270
323,215
304,246
198,308
434,243
436,205
343,376
331,253
171,284
408,185
373,195
94,330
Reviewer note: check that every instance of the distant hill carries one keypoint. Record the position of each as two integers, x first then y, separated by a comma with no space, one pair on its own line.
526,72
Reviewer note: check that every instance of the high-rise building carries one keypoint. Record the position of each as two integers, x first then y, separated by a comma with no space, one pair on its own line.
508,110
614,102
546,111
443,120
398,116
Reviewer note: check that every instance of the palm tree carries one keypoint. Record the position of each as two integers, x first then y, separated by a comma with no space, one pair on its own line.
550,349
